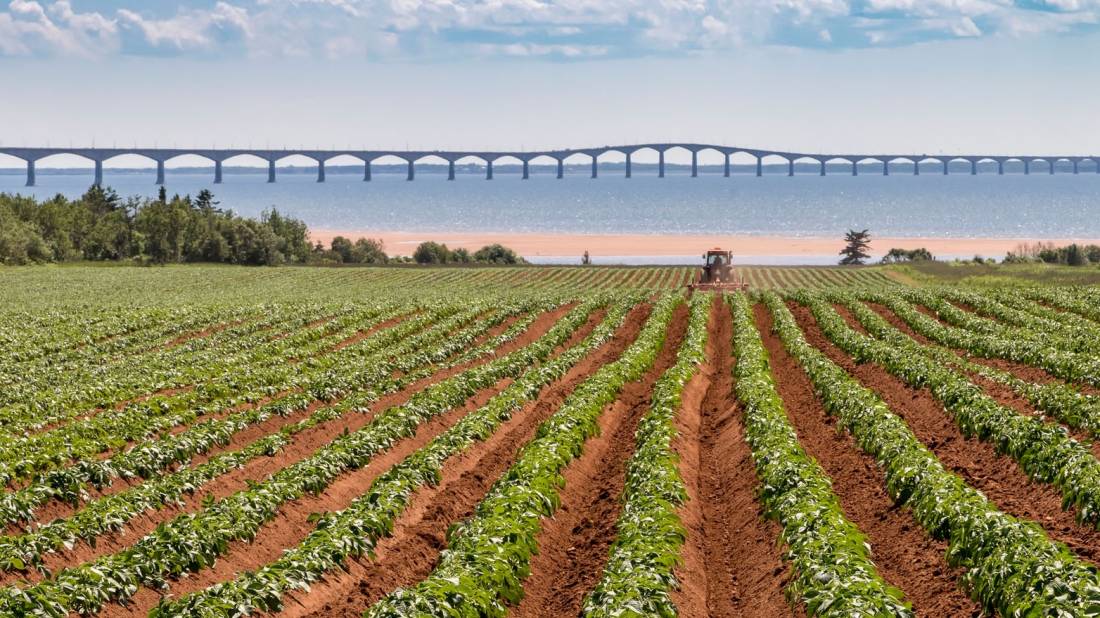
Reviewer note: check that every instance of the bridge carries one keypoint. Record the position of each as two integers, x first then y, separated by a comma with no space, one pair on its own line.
218,156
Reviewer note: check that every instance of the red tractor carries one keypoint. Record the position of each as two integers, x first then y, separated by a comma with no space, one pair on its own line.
718,273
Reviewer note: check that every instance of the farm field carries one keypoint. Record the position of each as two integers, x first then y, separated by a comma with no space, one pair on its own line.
545,442
109,285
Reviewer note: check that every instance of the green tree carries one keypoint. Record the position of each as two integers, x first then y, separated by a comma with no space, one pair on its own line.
430,252
369,251
344,248
855,249
497,254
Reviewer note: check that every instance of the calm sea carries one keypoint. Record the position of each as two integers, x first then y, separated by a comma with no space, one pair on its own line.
960,205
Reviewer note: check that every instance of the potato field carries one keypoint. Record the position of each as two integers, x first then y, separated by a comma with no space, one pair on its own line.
544,442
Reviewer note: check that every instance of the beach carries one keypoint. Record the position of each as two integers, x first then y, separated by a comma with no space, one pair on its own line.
767,249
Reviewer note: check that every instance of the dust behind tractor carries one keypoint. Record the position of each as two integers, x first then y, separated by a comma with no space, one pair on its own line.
717,273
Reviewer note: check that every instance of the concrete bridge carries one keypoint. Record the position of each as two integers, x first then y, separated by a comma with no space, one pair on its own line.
219,156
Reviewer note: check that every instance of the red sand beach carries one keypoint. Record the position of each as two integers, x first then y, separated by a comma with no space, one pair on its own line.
552,244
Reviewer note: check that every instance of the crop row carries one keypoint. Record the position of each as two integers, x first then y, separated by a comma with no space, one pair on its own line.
833,571
1065,403
1008,323
113,512
183,365
1011,566
649,534
357,368
247,380
1067,365
193,541
1045,451
354,531
488,555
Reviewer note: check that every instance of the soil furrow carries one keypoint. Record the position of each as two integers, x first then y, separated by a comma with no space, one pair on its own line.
998,477
419,535
733,564
1003,394
573,545
302,445
903,553
57,509
292,524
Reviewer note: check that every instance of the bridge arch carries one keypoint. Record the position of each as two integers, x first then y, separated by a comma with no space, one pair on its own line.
64,159
1047,162
429,158
764,159
795,159
511,163
257,159
471,163
188,156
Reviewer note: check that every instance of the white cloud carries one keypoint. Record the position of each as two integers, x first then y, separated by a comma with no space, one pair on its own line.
436,29
190,30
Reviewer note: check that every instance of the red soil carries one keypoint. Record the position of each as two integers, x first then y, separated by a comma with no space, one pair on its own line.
419,536
1003,394
574,543
998,477
905,555
302,446
732,559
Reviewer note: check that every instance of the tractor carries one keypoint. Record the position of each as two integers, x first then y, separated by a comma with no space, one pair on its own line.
717,273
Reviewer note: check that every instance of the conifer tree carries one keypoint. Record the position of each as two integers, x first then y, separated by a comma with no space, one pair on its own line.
855,251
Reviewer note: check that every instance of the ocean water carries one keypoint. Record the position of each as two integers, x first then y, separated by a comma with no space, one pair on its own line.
956,206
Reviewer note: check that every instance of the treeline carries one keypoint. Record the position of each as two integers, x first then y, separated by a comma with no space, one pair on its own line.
101,226
1047,252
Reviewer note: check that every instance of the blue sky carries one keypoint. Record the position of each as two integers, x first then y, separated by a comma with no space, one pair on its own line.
994,76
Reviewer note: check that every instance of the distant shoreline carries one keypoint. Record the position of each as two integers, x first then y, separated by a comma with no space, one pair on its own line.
568,245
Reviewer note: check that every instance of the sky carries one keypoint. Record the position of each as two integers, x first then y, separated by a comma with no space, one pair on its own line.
927,76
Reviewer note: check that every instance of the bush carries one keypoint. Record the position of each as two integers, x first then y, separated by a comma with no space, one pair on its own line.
497,254
895,256
430,252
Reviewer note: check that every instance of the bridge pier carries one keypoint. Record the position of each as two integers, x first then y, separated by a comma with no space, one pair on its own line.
790,167
1051,166
1000,168
30,173
661,164
271,171
366,171
160,173
822,167
759,166
98,174
628,165
489,170
410,173
855,168
973,168
945,168
595,168
321,171
694,164
561,168
726,167
525,169
217,172
450,170
885,168
1027,167
1074,167
916,168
